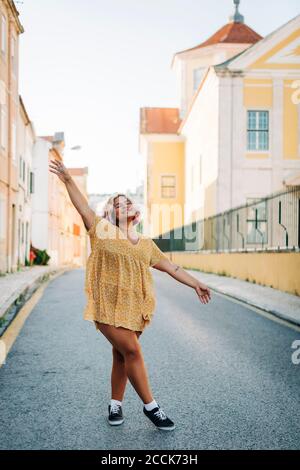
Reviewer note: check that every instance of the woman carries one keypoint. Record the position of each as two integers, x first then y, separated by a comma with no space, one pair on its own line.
119,288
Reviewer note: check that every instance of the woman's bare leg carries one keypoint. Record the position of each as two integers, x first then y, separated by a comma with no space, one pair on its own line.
119,374
126,342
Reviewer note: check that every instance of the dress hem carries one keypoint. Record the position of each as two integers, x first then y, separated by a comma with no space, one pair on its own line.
117,324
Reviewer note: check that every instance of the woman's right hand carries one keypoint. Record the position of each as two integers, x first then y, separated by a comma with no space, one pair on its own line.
60,170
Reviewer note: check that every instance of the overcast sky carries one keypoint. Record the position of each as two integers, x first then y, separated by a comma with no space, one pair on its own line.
88,66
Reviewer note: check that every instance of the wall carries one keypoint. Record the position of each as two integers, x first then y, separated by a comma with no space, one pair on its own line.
164,155
277,270
201,132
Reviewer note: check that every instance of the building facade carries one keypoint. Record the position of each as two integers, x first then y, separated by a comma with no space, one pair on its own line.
79,238
25,144
242,126
162,150
10,29
56,225
238,103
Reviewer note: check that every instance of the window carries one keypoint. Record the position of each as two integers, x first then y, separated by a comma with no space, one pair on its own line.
256,221
31,182
24,170
3,220
3,34
3,127
19,232
26,235
168,186
13,56
28,181
20,167
258,130
197,77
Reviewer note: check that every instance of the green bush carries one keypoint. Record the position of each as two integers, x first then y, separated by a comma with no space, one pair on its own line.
39,257
42,257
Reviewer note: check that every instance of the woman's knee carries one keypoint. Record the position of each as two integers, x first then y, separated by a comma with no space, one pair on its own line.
123,340
128,351
132,351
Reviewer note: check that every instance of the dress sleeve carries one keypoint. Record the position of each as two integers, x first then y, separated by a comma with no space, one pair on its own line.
92,229
156,254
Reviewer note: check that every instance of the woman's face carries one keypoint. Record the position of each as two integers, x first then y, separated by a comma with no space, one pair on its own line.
124,208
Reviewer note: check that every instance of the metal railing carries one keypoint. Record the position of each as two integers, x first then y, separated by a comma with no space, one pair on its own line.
269,223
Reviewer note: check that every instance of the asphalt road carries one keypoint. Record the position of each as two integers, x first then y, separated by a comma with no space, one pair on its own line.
222,372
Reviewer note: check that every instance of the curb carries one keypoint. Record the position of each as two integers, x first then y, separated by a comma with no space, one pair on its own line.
277,314
22,295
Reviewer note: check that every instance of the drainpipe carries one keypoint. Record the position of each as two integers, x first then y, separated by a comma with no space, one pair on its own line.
9,245
231,139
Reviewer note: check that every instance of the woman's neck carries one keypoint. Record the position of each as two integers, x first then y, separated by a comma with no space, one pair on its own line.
127,227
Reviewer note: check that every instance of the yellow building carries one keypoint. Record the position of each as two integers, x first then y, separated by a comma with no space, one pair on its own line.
10,29
80,245
163,152
190,67
238,100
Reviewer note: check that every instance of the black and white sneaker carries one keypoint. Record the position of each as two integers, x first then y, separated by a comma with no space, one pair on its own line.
159,418
115,414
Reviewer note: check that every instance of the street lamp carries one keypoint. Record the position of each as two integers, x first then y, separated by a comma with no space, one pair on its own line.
76,147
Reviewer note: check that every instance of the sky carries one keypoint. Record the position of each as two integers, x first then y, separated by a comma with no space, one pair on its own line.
88,66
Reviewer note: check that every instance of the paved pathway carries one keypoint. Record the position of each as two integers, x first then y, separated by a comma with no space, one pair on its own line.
222,372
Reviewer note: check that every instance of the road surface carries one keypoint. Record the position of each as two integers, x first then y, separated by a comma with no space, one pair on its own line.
221,371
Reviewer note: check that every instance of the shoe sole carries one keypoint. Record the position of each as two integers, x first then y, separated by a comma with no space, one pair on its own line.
115,423
165,429
162,428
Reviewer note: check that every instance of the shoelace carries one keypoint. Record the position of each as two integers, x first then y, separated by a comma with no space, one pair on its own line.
114,408
160,414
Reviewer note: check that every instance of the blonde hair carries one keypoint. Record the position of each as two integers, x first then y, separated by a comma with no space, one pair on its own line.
109,209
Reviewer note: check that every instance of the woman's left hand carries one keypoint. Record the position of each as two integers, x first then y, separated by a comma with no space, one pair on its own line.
203,292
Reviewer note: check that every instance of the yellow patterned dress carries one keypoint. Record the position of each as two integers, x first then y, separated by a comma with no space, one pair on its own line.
118,281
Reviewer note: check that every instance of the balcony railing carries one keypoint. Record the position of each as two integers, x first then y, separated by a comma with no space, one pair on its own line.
266,224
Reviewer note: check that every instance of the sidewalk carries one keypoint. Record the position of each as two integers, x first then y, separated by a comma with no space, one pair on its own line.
16,288
276,302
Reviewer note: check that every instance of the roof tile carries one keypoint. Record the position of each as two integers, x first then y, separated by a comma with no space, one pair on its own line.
159,120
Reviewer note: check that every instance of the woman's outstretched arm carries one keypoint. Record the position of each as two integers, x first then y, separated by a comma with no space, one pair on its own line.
184,277
77,198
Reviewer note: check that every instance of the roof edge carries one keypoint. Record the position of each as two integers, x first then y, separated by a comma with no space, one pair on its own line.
16,14
245,52
203,44
183,122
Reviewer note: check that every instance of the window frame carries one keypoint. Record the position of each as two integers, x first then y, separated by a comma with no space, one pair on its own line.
3,36
257,130
13,42
173,175
3,127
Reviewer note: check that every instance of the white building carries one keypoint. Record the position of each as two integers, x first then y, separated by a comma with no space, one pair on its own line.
56,225
241,126
25,143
